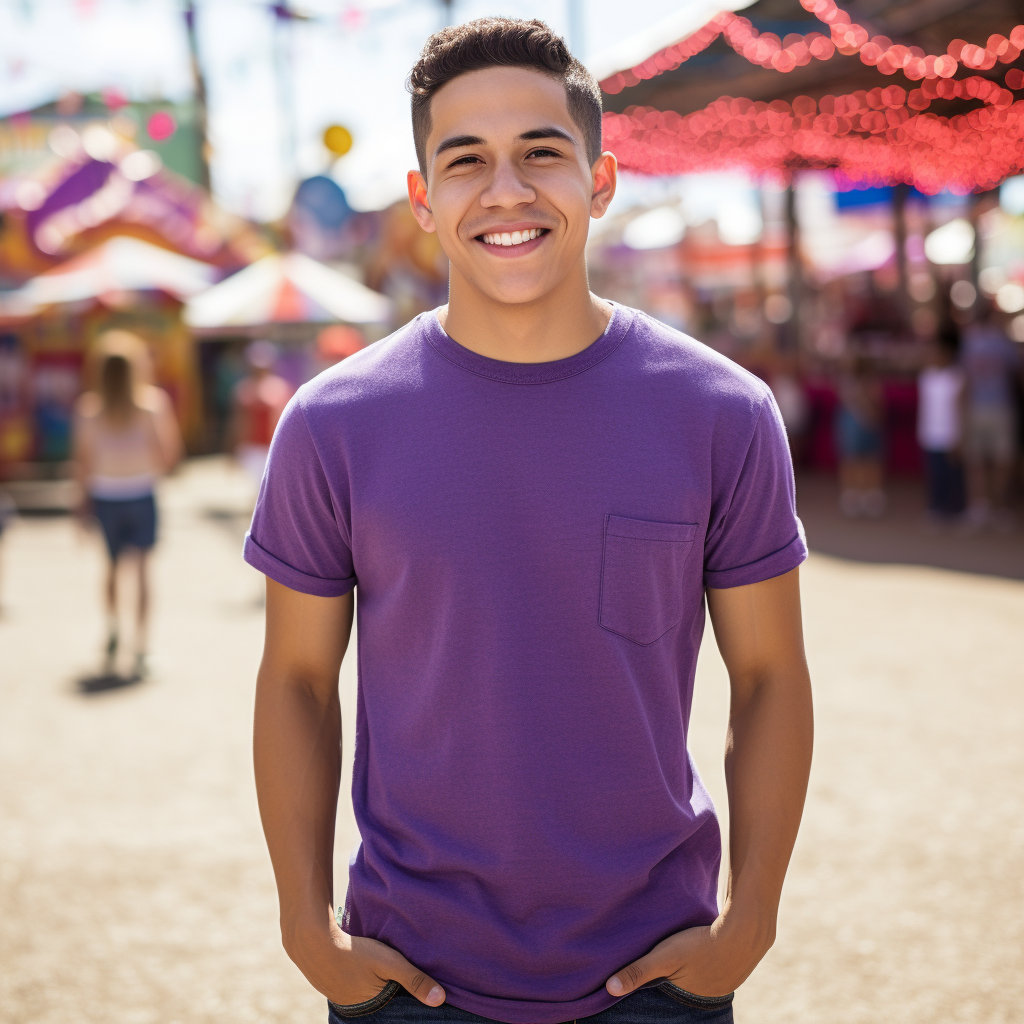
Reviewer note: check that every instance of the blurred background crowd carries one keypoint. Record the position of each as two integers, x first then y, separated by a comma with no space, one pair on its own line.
202,206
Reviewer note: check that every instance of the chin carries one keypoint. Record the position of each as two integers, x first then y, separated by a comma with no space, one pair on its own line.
513,289
516,296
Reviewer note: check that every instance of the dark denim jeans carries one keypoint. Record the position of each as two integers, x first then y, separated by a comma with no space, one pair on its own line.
657,1003
947,492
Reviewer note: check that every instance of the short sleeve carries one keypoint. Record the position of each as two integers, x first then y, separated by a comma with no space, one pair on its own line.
754,533
297,536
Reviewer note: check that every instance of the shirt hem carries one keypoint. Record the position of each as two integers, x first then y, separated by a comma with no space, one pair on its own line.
776,564
288,576
522,1011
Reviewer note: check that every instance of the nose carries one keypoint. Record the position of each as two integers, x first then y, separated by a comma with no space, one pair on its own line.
507,188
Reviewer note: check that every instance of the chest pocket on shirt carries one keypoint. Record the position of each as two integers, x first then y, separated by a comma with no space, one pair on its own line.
642,576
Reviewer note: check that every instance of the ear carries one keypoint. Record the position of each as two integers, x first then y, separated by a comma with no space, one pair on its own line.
418,201
605,173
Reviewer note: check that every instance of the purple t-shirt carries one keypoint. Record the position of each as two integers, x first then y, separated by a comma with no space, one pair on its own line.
530,544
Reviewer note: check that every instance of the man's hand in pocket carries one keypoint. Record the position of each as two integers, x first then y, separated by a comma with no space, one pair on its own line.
350,970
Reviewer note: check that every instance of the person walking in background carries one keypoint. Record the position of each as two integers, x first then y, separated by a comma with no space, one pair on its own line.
259,400
125,437
940,390
990,362
859,436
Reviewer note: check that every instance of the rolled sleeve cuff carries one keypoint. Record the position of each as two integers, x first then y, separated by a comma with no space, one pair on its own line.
775,564
287,575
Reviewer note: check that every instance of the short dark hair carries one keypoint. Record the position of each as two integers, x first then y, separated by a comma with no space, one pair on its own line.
502,43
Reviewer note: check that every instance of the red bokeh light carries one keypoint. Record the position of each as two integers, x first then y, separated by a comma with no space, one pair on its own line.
161,126
845,35
114,99
880,136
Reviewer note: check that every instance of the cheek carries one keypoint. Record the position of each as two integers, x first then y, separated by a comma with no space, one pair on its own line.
572,199
450,204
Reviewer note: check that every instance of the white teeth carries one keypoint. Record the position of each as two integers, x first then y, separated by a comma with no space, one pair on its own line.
513,238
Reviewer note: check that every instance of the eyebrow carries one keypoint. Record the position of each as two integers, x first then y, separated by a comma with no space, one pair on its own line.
549,132
457,142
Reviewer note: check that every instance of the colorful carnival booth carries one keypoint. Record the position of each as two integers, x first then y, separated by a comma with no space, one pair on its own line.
49,326
97,231
311,312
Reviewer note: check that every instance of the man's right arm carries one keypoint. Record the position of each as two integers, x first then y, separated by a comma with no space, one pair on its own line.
297,754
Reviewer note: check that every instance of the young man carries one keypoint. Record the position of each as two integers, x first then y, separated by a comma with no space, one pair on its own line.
533,490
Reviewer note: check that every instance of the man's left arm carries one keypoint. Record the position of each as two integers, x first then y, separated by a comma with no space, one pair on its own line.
767,762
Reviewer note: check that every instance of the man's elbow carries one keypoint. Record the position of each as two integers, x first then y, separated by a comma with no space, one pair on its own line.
786,680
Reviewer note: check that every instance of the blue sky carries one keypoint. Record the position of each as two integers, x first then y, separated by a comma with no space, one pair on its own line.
347,65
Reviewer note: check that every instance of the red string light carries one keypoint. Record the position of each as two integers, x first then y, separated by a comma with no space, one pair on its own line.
879,136
845,35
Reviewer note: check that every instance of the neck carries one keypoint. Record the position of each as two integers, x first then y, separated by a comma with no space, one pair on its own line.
557,325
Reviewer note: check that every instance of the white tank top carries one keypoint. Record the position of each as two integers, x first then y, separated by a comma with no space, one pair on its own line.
124,460
121,488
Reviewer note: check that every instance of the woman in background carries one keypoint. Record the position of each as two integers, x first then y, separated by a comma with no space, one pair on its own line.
125,438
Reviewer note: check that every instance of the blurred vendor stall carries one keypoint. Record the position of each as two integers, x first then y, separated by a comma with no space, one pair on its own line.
48,327
291,300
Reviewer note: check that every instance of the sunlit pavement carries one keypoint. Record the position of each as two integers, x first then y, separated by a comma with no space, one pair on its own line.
134,885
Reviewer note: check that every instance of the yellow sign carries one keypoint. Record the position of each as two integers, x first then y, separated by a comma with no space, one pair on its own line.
338,139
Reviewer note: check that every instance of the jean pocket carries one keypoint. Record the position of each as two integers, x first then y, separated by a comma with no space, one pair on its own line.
680,995
380,1000
642,576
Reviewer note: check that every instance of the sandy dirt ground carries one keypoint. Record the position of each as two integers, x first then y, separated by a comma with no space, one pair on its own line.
135,887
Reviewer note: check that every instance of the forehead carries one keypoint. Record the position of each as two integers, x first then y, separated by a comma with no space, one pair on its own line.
498,103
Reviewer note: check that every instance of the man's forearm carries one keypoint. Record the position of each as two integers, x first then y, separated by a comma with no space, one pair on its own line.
297,749
767,764
297,753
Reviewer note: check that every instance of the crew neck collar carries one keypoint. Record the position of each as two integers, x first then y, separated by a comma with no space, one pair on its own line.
530,373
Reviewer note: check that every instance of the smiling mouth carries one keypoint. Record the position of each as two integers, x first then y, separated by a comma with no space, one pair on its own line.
510,238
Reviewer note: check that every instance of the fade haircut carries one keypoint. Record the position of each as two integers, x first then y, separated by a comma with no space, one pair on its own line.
502,43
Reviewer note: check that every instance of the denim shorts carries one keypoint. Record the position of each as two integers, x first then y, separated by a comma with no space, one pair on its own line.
126,523
857,440
659,1002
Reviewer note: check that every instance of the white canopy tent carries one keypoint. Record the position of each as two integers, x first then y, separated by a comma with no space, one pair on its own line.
121,264
290,288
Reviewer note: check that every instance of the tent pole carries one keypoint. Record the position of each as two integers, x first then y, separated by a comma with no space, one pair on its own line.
199,90
899,230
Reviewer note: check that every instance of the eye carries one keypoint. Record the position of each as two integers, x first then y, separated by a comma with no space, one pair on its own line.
543,152
465,160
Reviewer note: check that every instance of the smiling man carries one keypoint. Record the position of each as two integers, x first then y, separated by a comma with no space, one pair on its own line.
533,492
